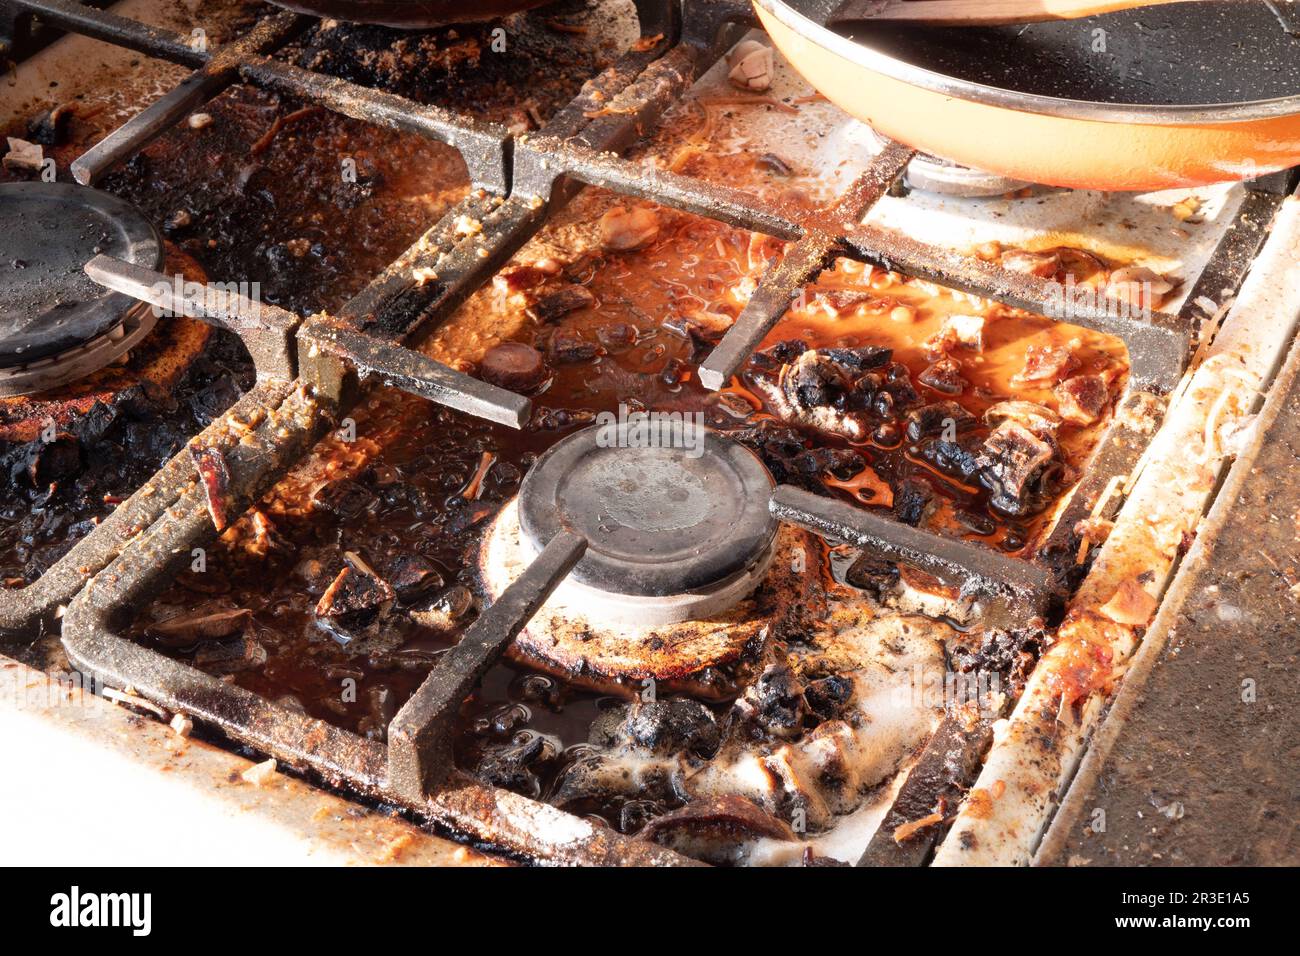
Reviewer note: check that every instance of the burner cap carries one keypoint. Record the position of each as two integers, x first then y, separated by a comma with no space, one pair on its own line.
658,520
51,230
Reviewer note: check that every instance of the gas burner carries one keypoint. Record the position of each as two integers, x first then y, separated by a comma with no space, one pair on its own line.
934,175
943,177
679,541
673,533
56,324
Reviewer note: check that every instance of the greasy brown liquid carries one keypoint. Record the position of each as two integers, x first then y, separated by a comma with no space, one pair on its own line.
412,461
303,205
423,457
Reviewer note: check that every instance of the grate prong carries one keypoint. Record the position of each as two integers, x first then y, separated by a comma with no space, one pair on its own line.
419,745
414,372
267,330
115,29
196,89
990,572
801,266
147,125
779,285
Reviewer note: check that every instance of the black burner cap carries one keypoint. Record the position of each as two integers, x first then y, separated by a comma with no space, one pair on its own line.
658,520
48,304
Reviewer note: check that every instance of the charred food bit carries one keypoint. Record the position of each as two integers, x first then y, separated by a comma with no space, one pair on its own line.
594,780
944,376
1082,399
659,727
1039,419
873,574
828,697
861,359
914,501
627,230
514,366
958,331
553,303
776,702
48,462
1047,364
936,419
215,478
446,610
50,128
752,65
357,591
1130,605
1138,287
515,765
1041,264
344,498
568,346
1013,465
815,391
838,390
186,629
412,575
958,457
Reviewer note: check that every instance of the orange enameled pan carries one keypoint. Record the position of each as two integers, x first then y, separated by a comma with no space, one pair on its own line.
1179,94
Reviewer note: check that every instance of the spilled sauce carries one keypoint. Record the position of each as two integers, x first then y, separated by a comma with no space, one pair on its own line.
407,484
408,491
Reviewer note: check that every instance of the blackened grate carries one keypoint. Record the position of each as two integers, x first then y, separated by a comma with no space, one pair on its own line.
311,379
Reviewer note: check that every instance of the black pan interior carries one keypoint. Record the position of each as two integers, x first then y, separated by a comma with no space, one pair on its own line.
1179,54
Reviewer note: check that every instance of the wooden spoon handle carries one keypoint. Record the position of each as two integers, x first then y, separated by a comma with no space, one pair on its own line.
982,12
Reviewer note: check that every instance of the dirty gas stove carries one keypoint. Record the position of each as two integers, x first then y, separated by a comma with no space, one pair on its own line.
593,448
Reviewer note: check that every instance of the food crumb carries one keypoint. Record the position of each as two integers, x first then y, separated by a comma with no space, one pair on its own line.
905,831
260,773
393,848
181,725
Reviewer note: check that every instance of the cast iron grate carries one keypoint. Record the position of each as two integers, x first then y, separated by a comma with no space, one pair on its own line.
307,385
